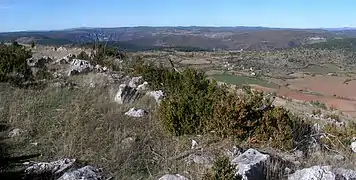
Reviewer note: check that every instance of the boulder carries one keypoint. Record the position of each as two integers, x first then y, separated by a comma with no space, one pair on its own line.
55,167
126,94
143,86
346,174
15,132
250,164
135,81
173,177
84,173
65,60
133,112
353,146
313,173
38,63
157,95
79,66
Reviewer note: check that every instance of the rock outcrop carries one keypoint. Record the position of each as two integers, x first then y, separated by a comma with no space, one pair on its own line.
64,169
323,173
250,164
79,66
84,173
353,146
126,94
173,177
133,112
157,95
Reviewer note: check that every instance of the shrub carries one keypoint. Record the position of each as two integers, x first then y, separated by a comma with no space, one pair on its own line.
33,45
194,104
333,116
222,170
319,104
105,56
83,55
235,115
13,64
339,137
189,101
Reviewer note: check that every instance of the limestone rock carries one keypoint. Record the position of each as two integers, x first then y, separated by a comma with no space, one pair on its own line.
143,86
38,63
79,66
313,173
84,173
54,167
15,132
353,146
126,94
173,177
346,174
133,112
250,164
157,95
65,60
135,81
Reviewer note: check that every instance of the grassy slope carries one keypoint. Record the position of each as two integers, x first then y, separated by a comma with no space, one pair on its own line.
85,124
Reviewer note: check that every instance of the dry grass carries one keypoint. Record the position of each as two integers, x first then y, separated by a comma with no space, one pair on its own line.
85,124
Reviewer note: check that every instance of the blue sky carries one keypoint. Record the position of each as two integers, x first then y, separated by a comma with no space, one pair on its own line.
61,14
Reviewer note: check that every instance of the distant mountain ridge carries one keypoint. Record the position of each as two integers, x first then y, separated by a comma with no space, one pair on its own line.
224,38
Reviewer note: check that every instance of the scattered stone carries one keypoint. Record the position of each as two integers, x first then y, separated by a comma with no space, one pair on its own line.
84,173
173,177
234,152
15,132
65,60
250,164
135,81
313,173
353,146
34,143
54,167
79,66
157,95
133,112
323,173
100,69
143,86
346,174
38,63
194,144
126,94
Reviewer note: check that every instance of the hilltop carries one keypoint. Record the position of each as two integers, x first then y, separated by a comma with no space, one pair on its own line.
210,38
277,114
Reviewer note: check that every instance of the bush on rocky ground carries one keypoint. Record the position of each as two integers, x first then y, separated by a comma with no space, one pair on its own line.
338,137
13,64
222,170
194,104
105,56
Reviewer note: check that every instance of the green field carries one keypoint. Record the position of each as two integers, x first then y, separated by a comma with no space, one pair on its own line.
242,80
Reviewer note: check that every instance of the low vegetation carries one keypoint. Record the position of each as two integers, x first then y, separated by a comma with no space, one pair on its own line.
62,121
222,170
196,105
13,64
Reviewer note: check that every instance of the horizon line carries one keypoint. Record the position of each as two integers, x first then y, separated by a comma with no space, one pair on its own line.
170,26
